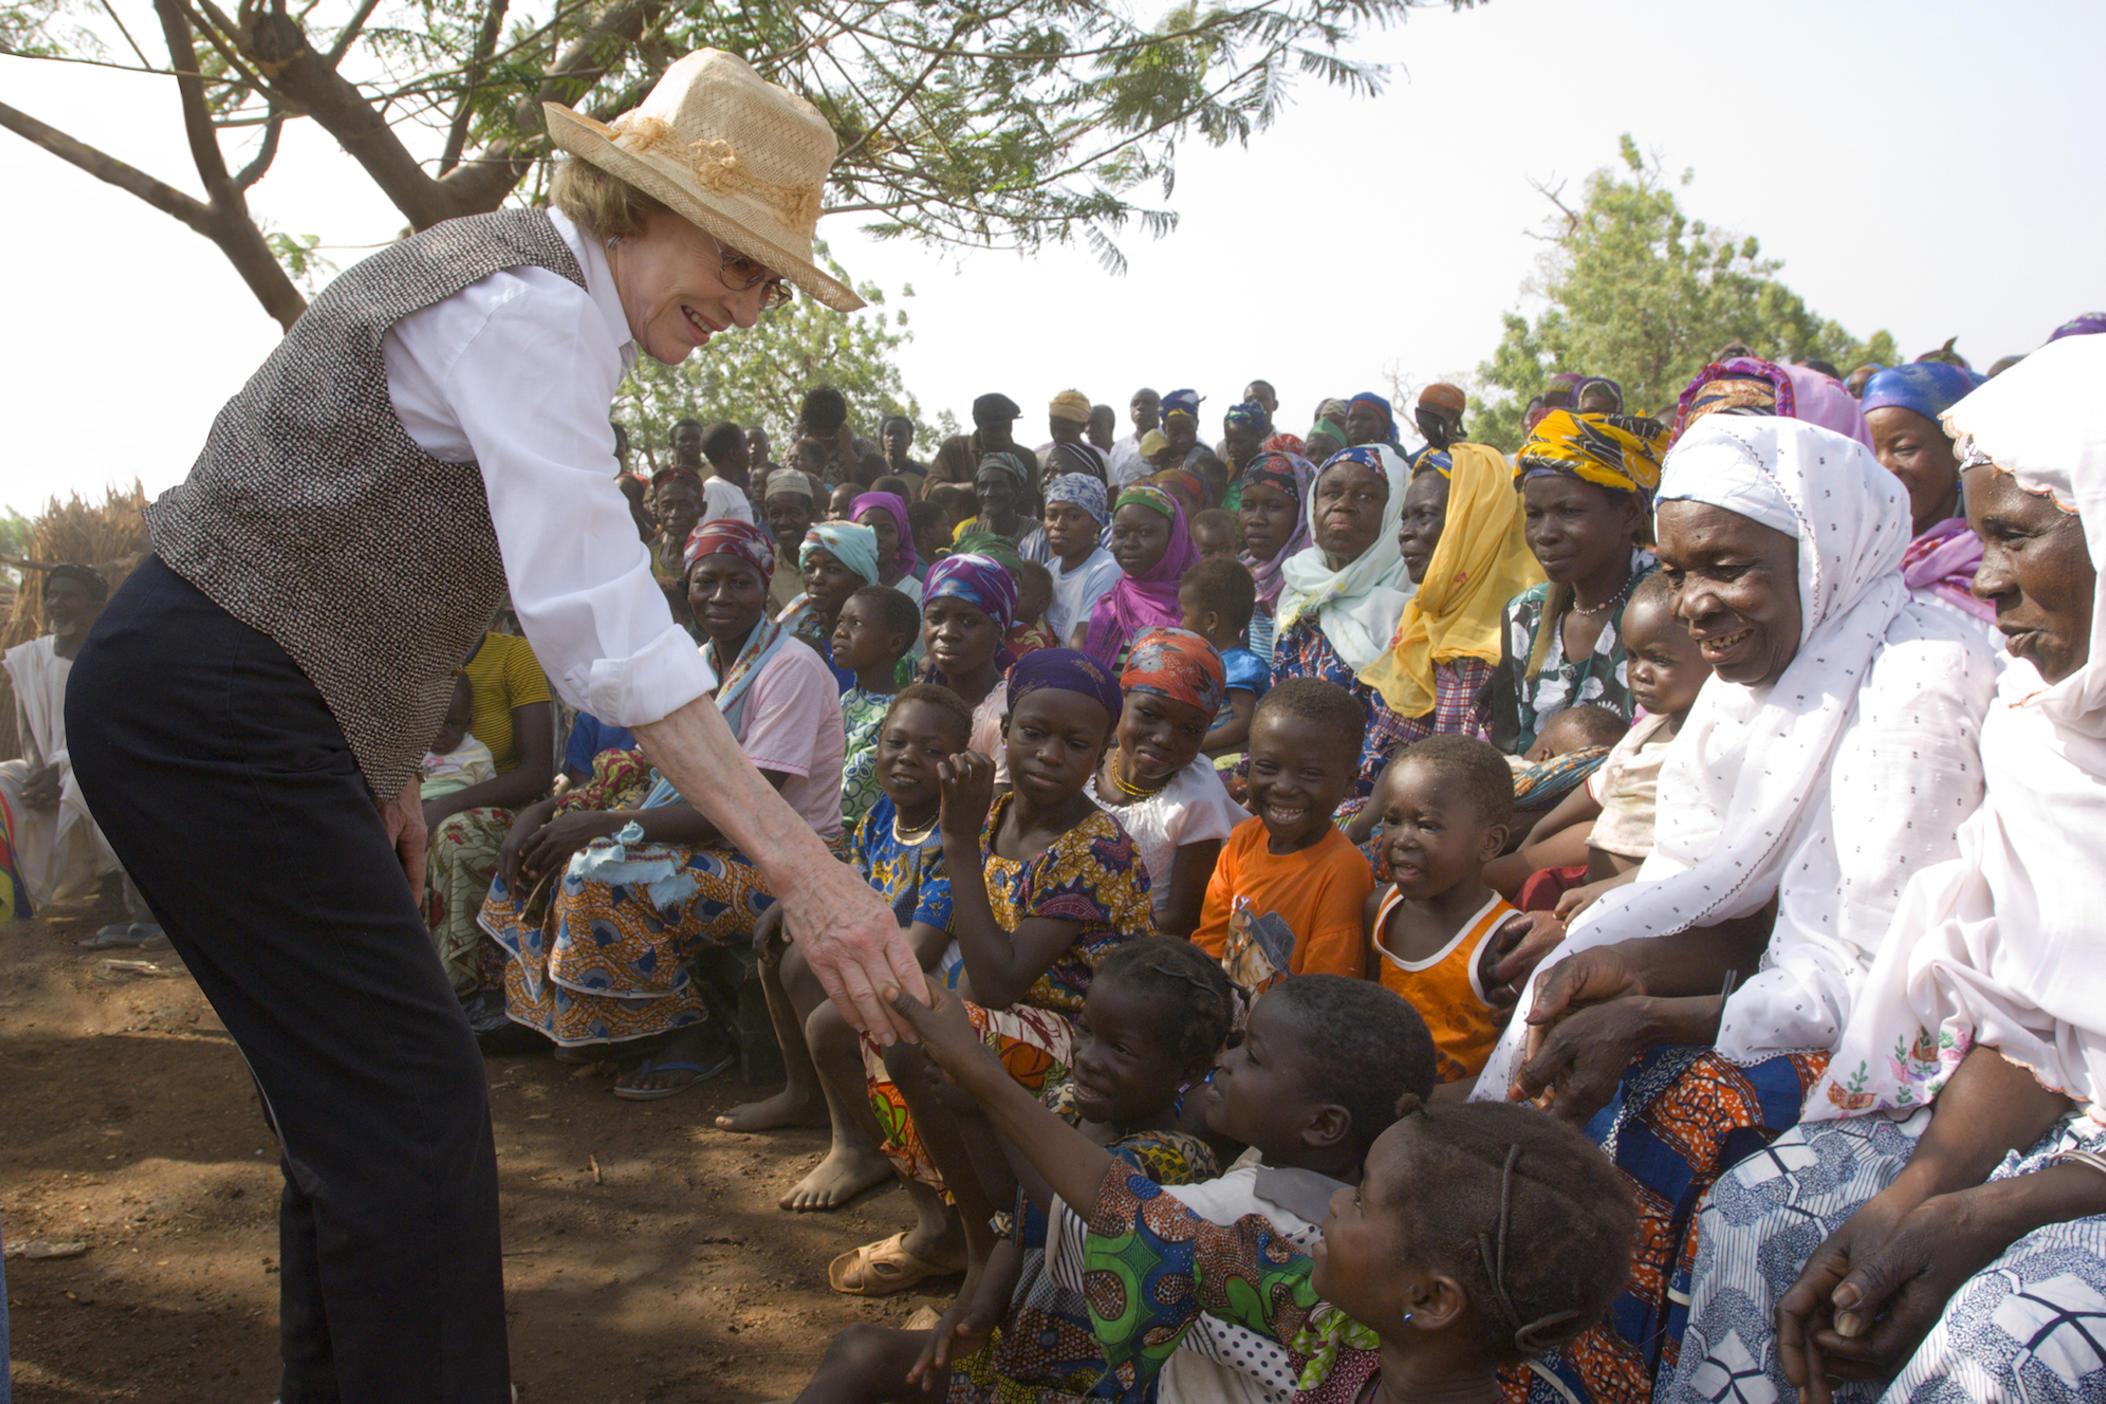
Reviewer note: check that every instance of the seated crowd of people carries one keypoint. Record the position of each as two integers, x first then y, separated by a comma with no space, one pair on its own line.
1596,923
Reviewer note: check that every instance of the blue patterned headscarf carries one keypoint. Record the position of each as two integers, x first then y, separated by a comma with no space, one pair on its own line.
1928,388
1248,415
852,545
1181,402
980,581
1389,416
1065,670
1081,491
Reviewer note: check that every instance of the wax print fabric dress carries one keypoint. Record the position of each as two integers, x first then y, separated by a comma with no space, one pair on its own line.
1044,1352
1091,875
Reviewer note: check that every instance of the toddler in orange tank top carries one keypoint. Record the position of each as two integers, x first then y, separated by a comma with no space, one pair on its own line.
1447,809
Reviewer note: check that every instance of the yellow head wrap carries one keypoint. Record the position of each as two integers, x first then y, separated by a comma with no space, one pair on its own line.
1481,561
1619,452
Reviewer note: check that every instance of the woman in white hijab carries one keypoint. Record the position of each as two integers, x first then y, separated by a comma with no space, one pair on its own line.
1940,1218
1342,596
1831,755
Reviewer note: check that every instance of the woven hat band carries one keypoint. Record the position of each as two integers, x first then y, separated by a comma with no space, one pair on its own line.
716,167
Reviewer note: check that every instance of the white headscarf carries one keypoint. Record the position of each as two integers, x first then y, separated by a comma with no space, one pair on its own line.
1999,947
1358,605
1761,794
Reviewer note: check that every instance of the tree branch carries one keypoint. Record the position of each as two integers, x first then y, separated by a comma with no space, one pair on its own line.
348,35
265,153
108,169
485,43
205,154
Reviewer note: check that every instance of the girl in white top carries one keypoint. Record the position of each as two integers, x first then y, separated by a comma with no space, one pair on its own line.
1166,795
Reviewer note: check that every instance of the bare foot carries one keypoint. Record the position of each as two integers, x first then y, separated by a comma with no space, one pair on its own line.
789,1107
846,1172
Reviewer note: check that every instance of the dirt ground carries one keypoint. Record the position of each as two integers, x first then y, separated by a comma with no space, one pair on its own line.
645,1259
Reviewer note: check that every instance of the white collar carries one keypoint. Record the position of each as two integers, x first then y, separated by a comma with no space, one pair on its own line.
599,284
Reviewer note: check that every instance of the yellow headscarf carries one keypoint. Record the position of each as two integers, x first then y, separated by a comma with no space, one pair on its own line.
1620,452
1481,561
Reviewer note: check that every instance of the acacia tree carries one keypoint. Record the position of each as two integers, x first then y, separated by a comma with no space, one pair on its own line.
1002,122
1641,293
760,375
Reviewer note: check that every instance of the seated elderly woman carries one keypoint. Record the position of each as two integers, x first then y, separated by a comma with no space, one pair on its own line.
1343,595
1832,754
597,942
1586,481
1938,1222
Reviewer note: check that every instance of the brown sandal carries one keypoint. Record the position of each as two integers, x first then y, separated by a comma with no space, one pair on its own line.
881,1269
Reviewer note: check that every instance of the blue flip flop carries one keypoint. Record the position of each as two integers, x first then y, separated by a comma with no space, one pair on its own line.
702,1073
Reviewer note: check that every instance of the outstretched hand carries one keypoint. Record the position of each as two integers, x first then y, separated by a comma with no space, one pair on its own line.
947,1035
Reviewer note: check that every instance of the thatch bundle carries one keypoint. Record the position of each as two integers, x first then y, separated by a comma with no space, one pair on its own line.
110,536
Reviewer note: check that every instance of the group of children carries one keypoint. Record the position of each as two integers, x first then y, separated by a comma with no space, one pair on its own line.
1167,946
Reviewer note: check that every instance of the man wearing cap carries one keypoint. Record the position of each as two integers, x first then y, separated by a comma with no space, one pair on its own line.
792,506
248,716
1127,465
994,421
1439,416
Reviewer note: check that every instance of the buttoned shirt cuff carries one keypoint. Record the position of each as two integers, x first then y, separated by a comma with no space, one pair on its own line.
651,684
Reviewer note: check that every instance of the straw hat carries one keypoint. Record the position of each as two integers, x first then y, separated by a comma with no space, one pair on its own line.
720,145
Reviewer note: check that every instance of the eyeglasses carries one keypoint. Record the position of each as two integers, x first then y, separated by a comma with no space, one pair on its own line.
736,270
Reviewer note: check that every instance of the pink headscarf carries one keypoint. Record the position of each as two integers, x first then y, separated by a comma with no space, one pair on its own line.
1798,393
1139,603
1822,400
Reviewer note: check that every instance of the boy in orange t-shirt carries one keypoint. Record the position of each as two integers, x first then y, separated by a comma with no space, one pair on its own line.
1287,891
1447,807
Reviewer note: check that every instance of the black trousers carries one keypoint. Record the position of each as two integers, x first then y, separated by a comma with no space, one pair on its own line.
227,789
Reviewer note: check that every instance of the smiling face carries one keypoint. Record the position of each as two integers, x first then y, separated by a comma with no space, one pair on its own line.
914,739
996,492
1666,668
789,518
670,290
69,609
1419,530
887,528
1576,529
1055,739
1126,1064
1350,500
1071,533
1159,737
1260,1094
960,638
1267,515
1432,835
1299,774
1736,588
1140,535
2036,571
1915,450
728,596
828,582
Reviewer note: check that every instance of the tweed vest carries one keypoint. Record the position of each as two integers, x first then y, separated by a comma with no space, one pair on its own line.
313,517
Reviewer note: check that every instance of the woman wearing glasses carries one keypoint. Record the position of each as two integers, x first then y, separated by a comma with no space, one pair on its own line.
253,707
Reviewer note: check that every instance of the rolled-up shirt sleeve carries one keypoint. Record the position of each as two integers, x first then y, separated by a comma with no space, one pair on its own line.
530,391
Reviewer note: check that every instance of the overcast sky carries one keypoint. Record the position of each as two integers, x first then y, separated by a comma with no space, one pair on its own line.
1931,168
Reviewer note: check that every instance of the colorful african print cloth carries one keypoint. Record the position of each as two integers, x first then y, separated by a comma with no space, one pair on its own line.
1303,650
1177,664
1092,876
1154,1266
1681,1118
2031,1325
14,897
1618,452
728,536
862,714
1525,697
460,859
905,867
1044,1352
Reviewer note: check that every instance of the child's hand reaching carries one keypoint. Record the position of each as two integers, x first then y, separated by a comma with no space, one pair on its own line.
966,1327
950,1039
968,793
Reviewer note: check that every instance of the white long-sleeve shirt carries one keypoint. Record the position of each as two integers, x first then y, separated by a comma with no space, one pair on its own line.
516,372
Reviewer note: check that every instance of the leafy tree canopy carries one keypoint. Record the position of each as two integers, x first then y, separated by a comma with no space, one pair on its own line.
1017,124
1639,292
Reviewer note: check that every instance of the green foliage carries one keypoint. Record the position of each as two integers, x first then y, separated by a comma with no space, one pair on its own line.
1641,293
759,375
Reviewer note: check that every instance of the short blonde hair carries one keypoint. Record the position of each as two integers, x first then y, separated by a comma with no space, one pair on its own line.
601,203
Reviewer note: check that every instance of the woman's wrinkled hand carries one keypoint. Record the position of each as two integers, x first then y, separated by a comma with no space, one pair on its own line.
1515,950
403,818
